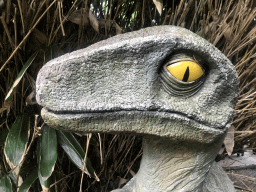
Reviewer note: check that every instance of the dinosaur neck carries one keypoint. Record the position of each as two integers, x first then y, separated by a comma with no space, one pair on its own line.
174,166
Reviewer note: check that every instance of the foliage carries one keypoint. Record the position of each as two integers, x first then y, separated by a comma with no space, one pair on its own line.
33,32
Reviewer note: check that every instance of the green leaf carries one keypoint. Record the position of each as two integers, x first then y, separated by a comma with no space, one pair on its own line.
48,150
32,176
19,77
45,184
75,152
17,140
5,184
72,147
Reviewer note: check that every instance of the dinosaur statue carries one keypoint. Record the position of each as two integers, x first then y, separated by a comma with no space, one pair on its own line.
165,83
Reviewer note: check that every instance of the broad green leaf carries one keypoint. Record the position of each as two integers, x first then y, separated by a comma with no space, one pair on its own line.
75,152
48,150
5,184
32,176
45,184
17,140
38,151
20,75
72,147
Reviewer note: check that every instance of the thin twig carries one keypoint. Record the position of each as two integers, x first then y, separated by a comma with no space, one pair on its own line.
24,39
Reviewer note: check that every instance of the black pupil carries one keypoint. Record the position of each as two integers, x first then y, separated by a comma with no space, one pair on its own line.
186,75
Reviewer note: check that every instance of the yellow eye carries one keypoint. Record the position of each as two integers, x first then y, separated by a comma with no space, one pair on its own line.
186,71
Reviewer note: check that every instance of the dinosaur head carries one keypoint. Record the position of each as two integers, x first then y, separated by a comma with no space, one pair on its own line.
164,81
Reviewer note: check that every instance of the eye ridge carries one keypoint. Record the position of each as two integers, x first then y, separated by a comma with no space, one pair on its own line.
186,75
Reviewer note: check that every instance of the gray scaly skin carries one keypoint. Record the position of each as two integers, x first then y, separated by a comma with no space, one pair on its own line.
115,86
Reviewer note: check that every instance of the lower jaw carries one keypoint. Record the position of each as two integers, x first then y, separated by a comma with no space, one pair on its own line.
170,125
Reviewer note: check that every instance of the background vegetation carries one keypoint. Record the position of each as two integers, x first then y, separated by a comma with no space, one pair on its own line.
34,31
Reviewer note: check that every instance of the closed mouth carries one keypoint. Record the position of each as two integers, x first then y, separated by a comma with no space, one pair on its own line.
149,112
168,124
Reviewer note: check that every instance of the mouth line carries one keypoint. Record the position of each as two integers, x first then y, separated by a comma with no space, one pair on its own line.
134,111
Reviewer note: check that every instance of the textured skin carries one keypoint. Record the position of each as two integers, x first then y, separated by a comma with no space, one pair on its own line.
113,86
